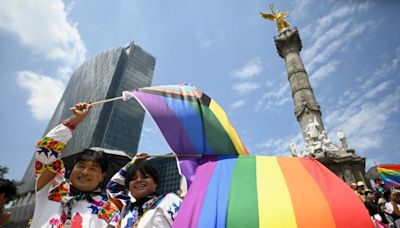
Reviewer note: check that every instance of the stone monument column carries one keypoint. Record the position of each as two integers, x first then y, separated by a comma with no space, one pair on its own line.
340,159
306,109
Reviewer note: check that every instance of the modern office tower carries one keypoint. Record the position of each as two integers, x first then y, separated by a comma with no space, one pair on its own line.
170,179
115,125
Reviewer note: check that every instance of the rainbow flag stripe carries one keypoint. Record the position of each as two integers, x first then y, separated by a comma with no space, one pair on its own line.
263,191
390,175
191,122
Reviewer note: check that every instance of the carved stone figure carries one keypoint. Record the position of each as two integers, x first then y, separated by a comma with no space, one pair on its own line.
342,139
312,129
292,149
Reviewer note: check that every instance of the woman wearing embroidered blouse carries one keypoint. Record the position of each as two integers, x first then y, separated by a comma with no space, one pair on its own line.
133,190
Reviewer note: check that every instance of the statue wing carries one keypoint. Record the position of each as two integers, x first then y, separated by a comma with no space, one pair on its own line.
285,14
268,16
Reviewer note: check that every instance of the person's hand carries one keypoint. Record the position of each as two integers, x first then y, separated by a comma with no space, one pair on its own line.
5,218
139,157
80,111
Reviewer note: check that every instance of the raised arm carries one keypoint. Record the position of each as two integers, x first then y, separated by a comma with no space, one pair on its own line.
48,149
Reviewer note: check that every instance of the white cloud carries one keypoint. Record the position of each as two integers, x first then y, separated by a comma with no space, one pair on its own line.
237,104
279,147
249,70
300,8
365,122
364,115
342,12
381,87
152,130
245,87
323,41
323,72
44,27
276,97
334,45
45,92
209,41
383,71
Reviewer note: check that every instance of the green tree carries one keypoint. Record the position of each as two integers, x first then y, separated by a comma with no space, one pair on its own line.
3,171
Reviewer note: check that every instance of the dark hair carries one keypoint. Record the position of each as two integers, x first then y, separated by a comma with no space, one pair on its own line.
145,169
9,188
94,156
386,195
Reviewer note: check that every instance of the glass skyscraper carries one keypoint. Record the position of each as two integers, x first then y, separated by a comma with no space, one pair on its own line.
115,125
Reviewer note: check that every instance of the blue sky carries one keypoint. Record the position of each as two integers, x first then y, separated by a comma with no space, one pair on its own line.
351,50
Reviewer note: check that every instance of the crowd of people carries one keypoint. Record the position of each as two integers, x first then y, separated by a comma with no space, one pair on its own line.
383,204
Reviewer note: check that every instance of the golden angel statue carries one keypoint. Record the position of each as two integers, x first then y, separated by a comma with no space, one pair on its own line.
278,17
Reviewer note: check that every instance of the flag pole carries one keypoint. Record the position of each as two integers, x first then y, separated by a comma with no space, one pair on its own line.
102,101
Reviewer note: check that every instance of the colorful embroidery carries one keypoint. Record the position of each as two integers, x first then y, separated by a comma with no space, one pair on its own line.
76,221
55,223
39,167
96,206
107,212
50,147
50,143
58,193
134,217
55,167
172,211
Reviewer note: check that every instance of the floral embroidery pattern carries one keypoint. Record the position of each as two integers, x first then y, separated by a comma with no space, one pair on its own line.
107,212
59,192
96,206
56,223
77,221
50,147
55,167
48,150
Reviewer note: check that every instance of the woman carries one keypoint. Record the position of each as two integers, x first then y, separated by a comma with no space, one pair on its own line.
133,190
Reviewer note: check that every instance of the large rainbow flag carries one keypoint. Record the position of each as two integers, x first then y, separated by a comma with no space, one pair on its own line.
191,122
262,191
231,188
390,175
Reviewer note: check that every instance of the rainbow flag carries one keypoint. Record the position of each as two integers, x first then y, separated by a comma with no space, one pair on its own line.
191,122
262,191
390,175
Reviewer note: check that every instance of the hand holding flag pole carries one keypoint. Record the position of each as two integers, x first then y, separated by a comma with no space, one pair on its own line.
126,95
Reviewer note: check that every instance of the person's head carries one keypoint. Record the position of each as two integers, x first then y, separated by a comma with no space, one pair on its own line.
142,179
369,195
381,203
378,181
387,195
7,191
395,196
360,187
353,186
89,170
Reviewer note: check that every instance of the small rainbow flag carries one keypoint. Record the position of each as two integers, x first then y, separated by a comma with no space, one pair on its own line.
390,175
262,191
191,122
